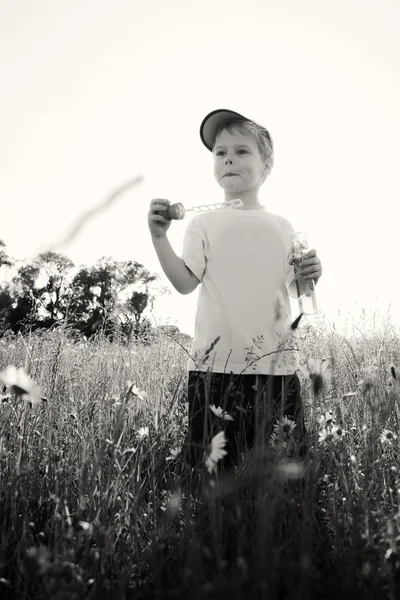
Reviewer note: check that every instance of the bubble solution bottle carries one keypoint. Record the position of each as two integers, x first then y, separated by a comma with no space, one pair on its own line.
305,287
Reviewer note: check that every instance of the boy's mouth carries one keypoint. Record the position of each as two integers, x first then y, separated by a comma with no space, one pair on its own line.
231,175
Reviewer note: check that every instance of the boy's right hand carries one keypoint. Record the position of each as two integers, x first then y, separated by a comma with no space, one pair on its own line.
158,220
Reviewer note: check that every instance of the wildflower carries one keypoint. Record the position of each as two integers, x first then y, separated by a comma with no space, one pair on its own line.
21,384
174,503
327,419
220,413
216,451
291,470
143,432
285,426
174,453
276,441
282,433
84,526
332,433
387,436
337,433
316,372
324,434
134,390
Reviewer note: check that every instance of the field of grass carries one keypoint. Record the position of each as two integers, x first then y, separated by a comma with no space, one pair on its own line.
95,501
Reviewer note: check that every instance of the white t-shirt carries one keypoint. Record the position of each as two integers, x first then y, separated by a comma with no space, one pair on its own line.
241,259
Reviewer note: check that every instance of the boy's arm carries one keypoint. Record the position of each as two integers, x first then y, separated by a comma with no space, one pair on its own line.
181,277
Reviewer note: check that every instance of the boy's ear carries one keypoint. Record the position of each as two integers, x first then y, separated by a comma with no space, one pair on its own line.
265,172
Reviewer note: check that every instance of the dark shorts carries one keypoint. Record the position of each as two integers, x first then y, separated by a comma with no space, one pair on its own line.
276,396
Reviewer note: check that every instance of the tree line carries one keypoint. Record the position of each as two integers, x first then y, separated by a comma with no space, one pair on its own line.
109,296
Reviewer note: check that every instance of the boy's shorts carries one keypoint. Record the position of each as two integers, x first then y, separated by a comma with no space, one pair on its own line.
236,395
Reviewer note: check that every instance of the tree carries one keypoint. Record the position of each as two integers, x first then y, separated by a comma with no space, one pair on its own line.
55,292
5,260
6,303
41,291
97,294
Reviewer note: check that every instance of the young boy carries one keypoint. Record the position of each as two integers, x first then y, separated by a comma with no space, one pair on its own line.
242,369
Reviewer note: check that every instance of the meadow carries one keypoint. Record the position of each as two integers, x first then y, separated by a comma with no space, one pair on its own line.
95,500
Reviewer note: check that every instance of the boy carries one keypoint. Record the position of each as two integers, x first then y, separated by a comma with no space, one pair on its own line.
242,368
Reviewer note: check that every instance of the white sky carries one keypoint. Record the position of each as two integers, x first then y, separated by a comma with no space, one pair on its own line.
96,92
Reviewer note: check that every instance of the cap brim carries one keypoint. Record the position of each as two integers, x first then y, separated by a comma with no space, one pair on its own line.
212,121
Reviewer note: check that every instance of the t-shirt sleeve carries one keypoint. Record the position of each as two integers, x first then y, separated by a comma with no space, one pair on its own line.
193,248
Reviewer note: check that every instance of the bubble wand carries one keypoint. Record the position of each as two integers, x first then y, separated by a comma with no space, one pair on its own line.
178,211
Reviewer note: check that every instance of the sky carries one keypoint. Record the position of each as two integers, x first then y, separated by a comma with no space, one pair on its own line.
95,93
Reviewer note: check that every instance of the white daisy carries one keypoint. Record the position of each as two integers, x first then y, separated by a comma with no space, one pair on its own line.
143,432
325,434
217,410
276,441
327,419
216,451
134,390
338,433
20,383
284,426
174,453
387,436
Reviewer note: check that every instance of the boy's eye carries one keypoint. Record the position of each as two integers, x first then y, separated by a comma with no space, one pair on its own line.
221,151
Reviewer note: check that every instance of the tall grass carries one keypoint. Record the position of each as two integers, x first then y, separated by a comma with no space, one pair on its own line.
96,502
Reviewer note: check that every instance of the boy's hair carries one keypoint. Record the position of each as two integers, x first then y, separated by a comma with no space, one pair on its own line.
261,135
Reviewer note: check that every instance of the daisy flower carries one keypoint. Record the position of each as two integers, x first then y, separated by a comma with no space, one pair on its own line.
174,453
220,413
20,383
276,441
324,435
143,432
327,419
174,503
216,451
282,433
387,436
285,426
134,390
338,433
332,433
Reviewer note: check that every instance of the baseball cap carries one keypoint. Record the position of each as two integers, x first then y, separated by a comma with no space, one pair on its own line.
214,119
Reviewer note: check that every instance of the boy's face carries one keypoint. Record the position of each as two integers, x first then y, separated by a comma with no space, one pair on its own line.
237,153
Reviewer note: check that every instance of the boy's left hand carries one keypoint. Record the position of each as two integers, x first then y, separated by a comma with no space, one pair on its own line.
310,267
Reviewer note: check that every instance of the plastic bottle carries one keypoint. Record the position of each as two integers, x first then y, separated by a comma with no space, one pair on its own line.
305,287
